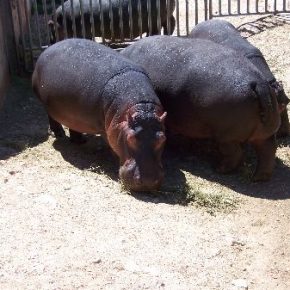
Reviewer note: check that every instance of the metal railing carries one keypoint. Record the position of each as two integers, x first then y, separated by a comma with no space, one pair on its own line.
116,23
224,8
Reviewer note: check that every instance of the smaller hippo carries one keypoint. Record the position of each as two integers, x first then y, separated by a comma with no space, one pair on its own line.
130,29
210,91
223,32
92,89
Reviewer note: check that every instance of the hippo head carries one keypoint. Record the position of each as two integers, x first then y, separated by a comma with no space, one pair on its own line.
141,141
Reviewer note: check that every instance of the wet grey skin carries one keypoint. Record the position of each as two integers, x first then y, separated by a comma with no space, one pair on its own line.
223,32
92,89
212,92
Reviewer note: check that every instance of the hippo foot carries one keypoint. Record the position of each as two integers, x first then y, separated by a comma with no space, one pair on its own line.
55,129
232,157
58,134
261,176
76,137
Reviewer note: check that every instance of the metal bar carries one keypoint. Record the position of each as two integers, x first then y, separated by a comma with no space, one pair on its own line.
275,6
82,19
158,16
92,21
46,19
284,5
186,17
102,21
196,12
140,18
64,20
244,14
205,10
149,16
168,17
130,19
248,6
121,24
55,21
220,7
257,6
37,22
177,18
73,18
21,33
29,31
210,8
229,7
111,16
239,7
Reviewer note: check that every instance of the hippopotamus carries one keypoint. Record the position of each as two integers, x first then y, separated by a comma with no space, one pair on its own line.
223,32
113,6
212,92
92,89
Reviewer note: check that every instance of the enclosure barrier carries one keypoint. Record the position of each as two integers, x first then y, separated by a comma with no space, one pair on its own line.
116,23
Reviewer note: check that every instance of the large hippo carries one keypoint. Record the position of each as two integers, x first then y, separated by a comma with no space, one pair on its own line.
92,89
114,7
223,32
212,92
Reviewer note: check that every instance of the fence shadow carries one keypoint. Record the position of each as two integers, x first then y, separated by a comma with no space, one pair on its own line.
259,25
23,121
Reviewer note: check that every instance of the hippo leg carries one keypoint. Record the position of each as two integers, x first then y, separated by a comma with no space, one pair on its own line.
265,150
56,128
172,26
232,156
76,137
284,129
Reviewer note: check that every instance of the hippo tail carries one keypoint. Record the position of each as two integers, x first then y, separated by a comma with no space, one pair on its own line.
267,101
277,86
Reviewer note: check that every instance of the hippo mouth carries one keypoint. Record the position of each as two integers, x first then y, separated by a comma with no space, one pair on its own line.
133,180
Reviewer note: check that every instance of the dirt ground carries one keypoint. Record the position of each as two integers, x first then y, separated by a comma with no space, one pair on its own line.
66,223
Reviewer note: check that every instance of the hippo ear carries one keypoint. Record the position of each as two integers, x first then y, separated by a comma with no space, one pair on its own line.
162,117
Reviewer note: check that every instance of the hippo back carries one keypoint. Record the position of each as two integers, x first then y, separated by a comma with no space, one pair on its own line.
197,91
223,32
129,28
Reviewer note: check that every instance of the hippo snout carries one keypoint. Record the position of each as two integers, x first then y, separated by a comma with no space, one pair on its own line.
137,179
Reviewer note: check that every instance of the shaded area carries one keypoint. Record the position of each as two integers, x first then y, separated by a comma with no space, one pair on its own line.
198,158
94,155
23,121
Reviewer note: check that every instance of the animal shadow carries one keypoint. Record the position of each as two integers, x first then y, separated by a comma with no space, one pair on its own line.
95,155
23,121
203,153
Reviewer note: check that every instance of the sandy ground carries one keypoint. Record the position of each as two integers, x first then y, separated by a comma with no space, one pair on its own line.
66,223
